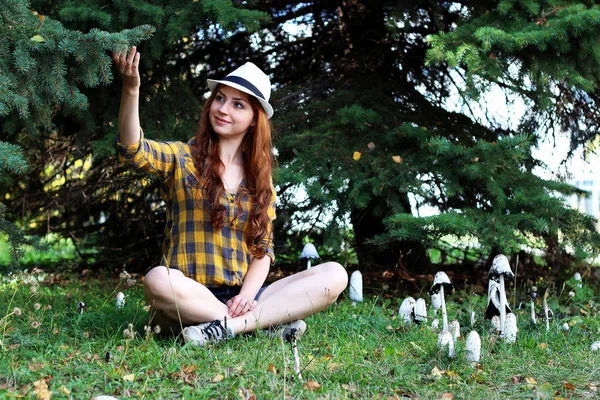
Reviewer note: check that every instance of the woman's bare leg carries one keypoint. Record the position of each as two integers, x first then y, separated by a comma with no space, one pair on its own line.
294,297
177,298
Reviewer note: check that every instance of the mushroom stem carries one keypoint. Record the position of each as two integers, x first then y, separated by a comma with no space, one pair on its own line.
308,264
502,305
444,315
546,310
533,313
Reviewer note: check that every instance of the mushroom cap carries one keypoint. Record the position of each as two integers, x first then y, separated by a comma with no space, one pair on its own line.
577,276
407,310
420,311
440,279
309,252
445,340
473,347
595,346
356,287
500,267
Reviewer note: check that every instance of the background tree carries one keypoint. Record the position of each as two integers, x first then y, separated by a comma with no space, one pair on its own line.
362,126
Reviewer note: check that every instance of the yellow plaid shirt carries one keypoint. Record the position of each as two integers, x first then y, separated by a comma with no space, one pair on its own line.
192,245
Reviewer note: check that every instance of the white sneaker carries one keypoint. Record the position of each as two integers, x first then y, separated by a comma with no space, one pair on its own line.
213,332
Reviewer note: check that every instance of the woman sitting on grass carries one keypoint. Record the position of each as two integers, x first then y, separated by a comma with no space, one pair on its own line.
220,206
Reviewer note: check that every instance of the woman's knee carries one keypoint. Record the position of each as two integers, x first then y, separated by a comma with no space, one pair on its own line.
157,281
336,275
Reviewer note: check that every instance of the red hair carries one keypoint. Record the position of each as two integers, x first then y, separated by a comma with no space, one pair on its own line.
258,165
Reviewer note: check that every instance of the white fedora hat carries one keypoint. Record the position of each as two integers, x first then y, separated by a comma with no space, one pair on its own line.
249,79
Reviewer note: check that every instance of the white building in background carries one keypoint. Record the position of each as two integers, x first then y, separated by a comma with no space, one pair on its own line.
588,204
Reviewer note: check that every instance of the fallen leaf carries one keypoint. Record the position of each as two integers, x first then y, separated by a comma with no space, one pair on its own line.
447,396
516,379
356,155
545,390
397,159
272,369
189,369
312,385
41,390
568,386
63,389
451,373
371,146
218,378
530,380
350,388
129,377
436,371
34,367
246,394
543,345
593,387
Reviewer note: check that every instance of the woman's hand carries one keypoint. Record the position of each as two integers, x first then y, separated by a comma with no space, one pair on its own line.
240,305
128,63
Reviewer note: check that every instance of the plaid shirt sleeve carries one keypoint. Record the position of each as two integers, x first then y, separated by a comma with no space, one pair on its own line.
151,156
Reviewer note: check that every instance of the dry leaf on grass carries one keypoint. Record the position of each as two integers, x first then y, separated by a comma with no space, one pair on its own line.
312,385
436,372
129,377
41,390
356,155
447,396
272,369
246,394
218,378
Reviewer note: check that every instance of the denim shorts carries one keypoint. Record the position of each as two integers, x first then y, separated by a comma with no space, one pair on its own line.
224,293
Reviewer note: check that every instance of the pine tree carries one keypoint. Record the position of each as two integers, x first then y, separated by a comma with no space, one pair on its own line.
43,66
58,103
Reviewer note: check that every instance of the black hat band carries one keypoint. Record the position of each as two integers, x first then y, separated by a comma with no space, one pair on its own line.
243,82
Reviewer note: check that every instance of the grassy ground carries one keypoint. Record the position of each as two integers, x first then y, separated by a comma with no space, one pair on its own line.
348,351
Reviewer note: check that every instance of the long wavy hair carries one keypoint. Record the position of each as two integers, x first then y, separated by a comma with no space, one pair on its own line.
258,165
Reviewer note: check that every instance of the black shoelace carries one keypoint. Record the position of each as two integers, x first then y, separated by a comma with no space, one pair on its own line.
214,331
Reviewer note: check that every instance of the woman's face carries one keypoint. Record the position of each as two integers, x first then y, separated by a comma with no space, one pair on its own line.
231,113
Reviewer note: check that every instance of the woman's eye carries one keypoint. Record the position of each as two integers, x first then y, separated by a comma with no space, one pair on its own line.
238,105
219,98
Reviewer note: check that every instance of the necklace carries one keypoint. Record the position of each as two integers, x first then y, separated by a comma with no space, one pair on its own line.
237,179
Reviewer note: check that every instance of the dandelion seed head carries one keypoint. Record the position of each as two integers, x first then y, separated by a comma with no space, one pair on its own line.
48,307
147,308
37,306
157,329
571,294
17,311
124,275
35,324
86,335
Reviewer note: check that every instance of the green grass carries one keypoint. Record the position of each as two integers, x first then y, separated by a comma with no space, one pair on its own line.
351,352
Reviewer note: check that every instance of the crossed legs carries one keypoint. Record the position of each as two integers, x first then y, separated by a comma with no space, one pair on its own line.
176,298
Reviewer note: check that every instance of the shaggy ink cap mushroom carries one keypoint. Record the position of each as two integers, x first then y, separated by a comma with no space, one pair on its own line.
441,279
309,252
500,267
